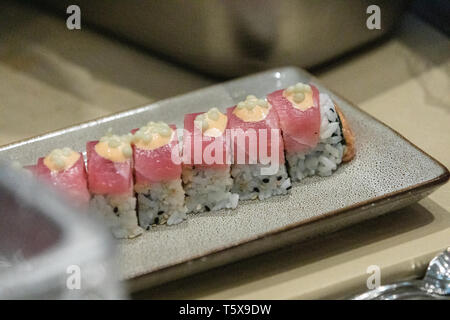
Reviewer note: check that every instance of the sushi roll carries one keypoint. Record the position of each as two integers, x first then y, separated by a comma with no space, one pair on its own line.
258,167
110,181
158,176
316,136
206,168
64,169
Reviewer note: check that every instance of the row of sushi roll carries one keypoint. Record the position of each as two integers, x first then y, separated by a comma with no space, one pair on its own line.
254,150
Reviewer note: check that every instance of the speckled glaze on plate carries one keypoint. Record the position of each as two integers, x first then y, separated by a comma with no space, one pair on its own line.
388,173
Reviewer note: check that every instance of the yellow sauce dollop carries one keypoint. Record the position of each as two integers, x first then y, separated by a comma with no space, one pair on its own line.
212,123
115,148
153,136
61,159
252,109
300,95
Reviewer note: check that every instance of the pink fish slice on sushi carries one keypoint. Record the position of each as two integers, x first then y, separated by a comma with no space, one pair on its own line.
107,176
206,168
262,125
157,167
300,123
110,181
206,146
258,169
316,135
64,169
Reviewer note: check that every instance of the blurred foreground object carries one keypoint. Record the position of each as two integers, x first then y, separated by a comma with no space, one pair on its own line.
49,250
233,37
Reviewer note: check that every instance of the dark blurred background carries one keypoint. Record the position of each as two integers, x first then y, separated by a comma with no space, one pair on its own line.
130,53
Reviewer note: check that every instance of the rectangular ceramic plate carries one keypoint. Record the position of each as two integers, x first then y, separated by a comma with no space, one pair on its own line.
387,173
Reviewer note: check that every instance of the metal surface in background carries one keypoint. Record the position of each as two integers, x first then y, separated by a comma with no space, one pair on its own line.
49,250
435,284
232,37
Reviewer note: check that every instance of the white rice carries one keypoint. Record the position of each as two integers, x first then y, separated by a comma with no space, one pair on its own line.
161,203
208,189
118,213
327,155
250,184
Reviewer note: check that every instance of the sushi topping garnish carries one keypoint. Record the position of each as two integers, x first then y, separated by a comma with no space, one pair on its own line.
252,109
212,123
61,159
153,135
115,148
300,95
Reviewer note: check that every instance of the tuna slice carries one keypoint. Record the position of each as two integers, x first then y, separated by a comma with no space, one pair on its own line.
157,165
72,181
106,177
263,154
201,150
301,129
